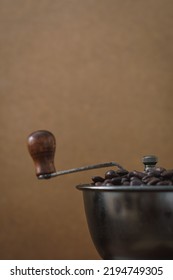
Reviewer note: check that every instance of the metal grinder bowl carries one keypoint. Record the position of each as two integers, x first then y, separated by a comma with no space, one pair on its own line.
125,222
130,222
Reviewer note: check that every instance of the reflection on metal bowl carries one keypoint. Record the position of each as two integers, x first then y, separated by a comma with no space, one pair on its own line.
130,222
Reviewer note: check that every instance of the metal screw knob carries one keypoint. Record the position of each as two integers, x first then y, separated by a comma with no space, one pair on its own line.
149,162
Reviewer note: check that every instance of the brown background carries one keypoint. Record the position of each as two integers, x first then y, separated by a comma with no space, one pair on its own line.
98,74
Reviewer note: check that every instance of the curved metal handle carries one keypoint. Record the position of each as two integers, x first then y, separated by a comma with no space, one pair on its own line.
42,146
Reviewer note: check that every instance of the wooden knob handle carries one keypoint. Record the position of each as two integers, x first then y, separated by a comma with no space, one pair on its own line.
41,146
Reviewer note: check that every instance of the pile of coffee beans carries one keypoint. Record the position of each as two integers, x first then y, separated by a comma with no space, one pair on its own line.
155,176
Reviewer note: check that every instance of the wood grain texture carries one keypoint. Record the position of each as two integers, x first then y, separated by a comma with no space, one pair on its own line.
42,146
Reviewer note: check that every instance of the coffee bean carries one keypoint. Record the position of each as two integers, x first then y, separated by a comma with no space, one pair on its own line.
133,178
116,181
146,179
160,169
130,174
137,174
110,174
165,183
126,183
124,179
154,173
153,181
154,176
107,181
122,172
98,183
109,184
167,174
135,182
97,179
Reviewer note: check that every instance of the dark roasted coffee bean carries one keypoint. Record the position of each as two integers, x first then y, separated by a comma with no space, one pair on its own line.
154,176
116,181
167,174
109,184
124,179
154,173
164,183
135,182
107,181
122,172
160,169
137,174
110,174
97,179
146,179
130,174
140,175
133,178
98,183
126,183
153,181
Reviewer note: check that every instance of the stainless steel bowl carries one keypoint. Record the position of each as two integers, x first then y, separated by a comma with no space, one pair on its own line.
130,222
